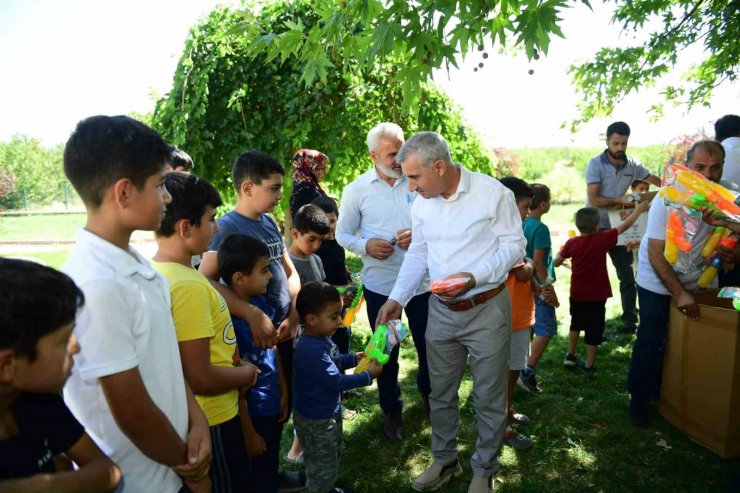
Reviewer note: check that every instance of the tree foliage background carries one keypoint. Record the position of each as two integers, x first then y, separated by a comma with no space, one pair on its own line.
425,35
225,101
31,173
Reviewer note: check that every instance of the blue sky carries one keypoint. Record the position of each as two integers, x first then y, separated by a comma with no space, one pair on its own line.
67,59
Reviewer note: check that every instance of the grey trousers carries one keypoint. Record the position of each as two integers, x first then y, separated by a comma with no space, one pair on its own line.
483,333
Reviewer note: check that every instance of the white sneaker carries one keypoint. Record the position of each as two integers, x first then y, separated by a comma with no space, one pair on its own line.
436,475
481,485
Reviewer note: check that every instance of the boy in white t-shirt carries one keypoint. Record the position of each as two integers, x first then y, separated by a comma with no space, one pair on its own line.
127,387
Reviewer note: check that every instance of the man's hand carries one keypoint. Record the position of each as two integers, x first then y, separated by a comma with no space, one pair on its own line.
199,486
391,310
256,445
403,238
199,453
687,304
729,255
379,249
375,369
457,292
263,330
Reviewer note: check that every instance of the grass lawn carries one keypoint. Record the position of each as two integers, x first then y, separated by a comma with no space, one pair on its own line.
582,438
48,227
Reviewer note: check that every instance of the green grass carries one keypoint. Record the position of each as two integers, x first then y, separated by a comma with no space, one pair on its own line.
41,227
582,439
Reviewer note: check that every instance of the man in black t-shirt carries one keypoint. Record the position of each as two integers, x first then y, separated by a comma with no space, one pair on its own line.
37,313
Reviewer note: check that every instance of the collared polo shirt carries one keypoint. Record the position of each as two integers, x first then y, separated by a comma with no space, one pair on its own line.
125,323
614,181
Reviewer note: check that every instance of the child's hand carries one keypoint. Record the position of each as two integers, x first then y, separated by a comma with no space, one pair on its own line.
360,355
551,297
631,245
643,206
348,297
283,416
256,445
375,369
251,373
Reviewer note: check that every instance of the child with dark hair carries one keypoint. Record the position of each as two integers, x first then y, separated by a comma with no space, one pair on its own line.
333,258
539,249
244,264
589,285
319,380
37,314
522,318
258,180
310,226
205,333
180,161
129,347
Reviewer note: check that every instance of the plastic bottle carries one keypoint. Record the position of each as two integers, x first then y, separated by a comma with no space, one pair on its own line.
545,286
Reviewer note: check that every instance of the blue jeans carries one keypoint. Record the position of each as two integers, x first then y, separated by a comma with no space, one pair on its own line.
622,260
417,311
646,366
545,321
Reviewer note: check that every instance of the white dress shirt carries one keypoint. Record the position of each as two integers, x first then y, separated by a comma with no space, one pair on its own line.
375,209
731,169
478,229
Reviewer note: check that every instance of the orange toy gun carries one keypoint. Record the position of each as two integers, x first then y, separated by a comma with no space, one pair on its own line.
674,238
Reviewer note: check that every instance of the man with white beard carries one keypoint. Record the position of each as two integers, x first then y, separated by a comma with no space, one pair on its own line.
375,223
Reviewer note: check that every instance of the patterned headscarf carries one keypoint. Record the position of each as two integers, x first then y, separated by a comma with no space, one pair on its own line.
307,165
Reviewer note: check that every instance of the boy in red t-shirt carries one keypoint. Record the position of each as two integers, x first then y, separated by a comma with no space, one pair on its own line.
589,282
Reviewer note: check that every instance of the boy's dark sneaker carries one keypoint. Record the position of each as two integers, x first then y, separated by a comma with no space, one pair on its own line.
570,360
292,481
638,415
588,369
529,383
516,440
436,475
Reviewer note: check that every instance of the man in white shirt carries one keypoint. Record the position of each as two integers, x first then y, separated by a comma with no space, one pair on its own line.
466,225
657,282
374,223
727,131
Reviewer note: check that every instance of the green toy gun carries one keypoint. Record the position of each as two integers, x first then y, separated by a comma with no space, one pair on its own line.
384,339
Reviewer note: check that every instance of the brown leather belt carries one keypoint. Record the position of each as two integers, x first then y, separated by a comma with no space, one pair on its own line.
478,299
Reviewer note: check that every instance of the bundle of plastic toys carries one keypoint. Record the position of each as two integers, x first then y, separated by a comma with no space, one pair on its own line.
384,339
686,194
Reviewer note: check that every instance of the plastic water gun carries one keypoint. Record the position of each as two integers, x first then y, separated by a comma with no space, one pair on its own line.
728,241
351,313
384,339
447,285
375,349
674,238
711,244
706,192
709,273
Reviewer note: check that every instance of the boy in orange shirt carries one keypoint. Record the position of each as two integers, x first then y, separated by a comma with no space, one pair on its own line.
522,317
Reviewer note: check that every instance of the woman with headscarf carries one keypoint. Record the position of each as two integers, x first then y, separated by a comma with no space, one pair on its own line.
308,169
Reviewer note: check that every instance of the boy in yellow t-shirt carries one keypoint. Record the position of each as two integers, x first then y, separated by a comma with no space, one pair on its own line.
205,333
